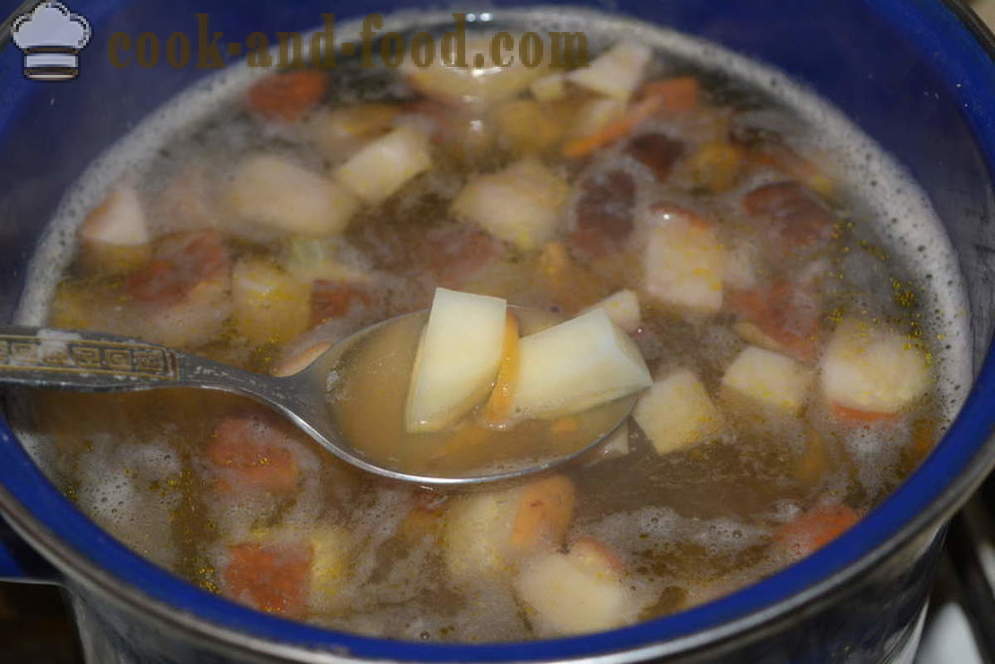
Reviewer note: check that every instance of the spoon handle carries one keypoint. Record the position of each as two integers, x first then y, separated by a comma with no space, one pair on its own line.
98,362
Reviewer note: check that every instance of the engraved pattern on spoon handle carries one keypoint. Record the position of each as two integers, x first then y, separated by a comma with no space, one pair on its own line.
91,361
98,362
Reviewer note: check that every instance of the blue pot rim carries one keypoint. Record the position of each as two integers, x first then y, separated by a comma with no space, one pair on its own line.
93,559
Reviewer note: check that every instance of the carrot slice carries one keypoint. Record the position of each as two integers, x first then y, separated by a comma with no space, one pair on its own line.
676,95
287,96
335,299
816,528
634,116
498,407
680,94
855,416
181,262
249,449
270,577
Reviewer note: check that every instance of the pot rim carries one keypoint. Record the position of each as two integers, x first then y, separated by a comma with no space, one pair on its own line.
932,493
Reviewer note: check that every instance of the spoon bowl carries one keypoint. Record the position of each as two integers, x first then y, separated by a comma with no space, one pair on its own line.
40,357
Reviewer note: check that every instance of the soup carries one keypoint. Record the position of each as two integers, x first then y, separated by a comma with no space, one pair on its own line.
803,362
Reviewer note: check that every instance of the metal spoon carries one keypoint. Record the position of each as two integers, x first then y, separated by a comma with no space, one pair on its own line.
97,362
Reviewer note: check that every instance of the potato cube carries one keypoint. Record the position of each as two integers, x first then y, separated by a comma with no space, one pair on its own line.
576,592
873,368
594,115
768,379
486,533
339,132
717,165
576,365
382,166
684,264
457,359
521,204
527,127
677,413
119,220
115,235
274,192
270,305
550,87
615,73
623,308
545,508
330,559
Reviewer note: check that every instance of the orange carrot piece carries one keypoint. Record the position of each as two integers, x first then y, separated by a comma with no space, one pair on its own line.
497,410
287,96
181,262
248,448
680,94
634,116
270,577
854,416
816,528
545,509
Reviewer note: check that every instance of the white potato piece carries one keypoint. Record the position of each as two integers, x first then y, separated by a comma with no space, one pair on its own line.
677,413
487,533
616,72
768,379
331,549
477,530
593,115
276,193
521,204
550,87
119,220
576,365
340,132
623,308
684,264
873,368
383,165
480,81
457,359
270,306
576,592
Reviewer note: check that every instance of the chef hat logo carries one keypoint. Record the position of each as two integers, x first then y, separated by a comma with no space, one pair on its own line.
51,37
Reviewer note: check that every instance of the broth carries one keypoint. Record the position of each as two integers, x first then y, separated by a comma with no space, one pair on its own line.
811,235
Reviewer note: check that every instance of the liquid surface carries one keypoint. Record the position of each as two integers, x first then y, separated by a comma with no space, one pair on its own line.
241,504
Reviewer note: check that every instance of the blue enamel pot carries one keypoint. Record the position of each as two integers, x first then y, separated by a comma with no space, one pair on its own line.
916,75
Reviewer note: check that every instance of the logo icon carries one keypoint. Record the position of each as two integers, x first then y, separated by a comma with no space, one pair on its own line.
51,37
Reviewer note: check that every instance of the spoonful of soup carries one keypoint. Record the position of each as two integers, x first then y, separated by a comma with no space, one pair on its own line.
470,391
